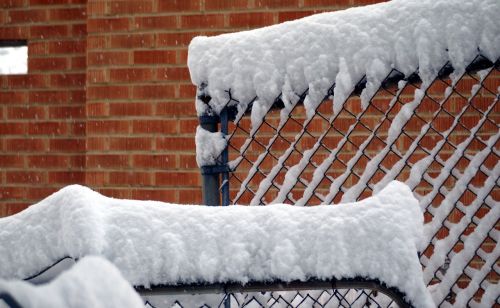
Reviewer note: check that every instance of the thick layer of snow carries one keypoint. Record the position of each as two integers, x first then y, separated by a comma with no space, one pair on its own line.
340,48
154,243
92,282
209,146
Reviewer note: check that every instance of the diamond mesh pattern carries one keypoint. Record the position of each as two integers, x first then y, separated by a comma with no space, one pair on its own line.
441,138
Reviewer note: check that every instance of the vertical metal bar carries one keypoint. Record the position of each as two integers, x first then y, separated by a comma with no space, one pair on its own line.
225,179
224,119
210,182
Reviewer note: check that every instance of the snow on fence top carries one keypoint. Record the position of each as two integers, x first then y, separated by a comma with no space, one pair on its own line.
340,48
92,282
156,243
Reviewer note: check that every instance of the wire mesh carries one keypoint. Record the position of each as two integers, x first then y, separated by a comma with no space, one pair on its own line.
441,138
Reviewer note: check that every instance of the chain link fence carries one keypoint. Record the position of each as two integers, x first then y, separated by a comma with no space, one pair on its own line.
441,138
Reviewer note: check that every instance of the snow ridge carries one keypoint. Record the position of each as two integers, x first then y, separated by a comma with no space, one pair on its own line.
341,48
158,243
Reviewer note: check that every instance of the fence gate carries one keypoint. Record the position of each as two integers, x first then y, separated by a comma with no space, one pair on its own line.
441,139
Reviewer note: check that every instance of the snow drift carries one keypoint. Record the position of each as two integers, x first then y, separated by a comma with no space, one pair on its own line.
340,48
157,243
92,282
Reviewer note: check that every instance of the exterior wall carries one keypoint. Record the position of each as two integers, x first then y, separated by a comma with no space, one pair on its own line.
42,114
108,101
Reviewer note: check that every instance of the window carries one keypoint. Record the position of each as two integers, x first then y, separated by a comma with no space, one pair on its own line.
13,57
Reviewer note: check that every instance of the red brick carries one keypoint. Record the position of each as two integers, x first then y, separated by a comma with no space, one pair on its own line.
14,207
66,177
7,193
178,5
287,16
158,161
130,74
49,97
110,92
188,162
188,126
25,145
175,143
99,143
132,40
14,33
97,75
12,4
250,20
107,161
51,31
97,109
192,196
157,195
26,81
173,74
154,57
96,42
155,126
67,80
67,14
132,178
17,97
130,144
78,62
47,128
63,47
107,25
94,178
175,39
24,177
187,91
78,128
96,8
130,109
46,64
13,128
107,127
326,3
219,5
47,2
130,7
26,16
276,3
177,178
202,21
39,193
48,161
153,91
67,145
11,161
155,22
107,58
79,30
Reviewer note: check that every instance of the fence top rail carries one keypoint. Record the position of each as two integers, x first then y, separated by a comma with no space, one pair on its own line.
341,48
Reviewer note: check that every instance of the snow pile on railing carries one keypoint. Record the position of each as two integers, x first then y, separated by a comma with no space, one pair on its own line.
157,243
92,282
340,48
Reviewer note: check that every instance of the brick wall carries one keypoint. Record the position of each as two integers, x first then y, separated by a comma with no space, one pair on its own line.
108,101
42,114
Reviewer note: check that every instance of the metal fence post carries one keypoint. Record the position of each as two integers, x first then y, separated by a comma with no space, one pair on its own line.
210,181
224,119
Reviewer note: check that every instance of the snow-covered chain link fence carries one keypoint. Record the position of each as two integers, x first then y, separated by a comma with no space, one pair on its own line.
441,138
